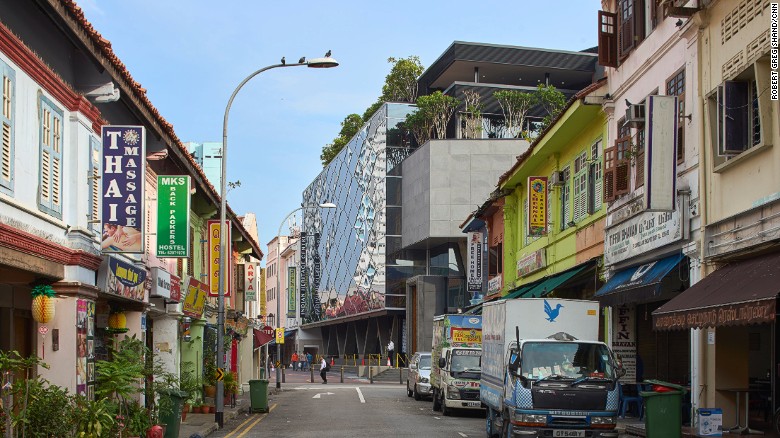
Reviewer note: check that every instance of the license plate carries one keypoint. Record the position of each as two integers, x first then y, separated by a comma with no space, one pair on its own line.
471,404
568,433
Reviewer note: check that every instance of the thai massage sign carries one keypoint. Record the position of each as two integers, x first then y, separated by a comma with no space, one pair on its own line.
125,279
124,152
173,216
537,205
214,247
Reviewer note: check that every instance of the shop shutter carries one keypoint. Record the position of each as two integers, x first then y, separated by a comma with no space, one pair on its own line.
608,39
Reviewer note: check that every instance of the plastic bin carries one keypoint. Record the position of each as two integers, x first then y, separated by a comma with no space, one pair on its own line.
663,409
170,404
258,395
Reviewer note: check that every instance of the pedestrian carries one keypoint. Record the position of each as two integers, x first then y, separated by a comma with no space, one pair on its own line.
309,360
390,351
324,370
294,360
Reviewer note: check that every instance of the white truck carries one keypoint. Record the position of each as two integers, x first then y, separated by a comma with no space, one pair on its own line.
455,357
544,372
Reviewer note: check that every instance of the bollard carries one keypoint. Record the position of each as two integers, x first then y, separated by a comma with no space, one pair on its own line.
370,375
283,376
342,374
400,376
312,374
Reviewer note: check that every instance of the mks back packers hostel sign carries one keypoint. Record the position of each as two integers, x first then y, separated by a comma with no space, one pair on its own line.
173,216
124,149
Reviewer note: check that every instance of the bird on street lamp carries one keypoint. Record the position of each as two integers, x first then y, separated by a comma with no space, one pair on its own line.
326,62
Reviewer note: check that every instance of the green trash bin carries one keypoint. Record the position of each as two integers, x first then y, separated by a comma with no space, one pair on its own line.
258,395
170,404
663,409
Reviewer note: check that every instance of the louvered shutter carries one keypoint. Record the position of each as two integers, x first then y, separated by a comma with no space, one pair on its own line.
6,118
566,198
93,182
626,27
51,143
581,194
610,162
191,258
608,39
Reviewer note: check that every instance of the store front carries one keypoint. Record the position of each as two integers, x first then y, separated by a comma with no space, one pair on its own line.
736,305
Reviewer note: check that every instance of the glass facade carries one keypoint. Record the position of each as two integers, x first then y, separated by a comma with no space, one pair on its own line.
343,270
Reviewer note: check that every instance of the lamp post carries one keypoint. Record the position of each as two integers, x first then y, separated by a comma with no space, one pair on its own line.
326,62
278,285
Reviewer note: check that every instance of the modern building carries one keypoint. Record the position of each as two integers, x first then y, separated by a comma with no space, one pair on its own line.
208,155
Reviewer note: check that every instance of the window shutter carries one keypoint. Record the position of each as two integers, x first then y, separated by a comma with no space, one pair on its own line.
610,162
608,39
50,184
626,29
191,258
566,198
6,118
639,21
734,117
581,194
93,181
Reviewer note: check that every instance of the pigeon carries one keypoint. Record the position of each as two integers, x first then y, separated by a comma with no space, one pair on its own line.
551,313
283,60
302,60
327,55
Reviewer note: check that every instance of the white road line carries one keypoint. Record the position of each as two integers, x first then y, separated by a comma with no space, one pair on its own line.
462,434
360,394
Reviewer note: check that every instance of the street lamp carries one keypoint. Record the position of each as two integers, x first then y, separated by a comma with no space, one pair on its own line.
326,62
278,285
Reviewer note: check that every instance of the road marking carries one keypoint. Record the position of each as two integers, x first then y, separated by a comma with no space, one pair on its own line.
319,394
251,417
462,434
437,418
262,417
360,394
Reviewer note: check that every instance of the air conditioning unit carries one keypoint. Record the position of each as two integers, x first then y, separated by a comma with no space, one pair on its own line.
635,114
556,179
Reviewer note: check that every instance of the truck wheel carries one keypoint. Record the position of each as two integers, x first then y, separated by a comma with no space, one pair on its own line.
408,391
417,395
436,401
506,426
490,420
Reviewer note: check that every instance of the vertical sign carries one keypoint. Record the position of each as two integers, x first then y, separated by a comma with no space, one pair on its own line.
303,275
475,262
124,164
195,300
280,335
316,305
175,289
263,304
214,244
250,282
624,340
661,153
537,205
292,282
173,216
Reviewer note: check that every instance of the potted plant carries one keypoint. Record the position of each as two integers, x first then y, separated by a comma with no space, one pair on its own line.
189,383
210,375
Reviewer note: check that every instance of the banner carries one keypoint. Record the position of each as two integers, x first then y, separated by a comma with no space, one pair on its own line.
303,276
291,289
537,205
250,282
125,279
214,245
173,216
195,299
280,335
475,262
263,304
624,340
124,166
175,289
316,305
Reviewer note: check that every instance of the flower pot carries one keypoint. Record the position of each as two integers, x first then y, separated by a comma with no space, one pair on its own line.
204,409
184,410
211,409
210,390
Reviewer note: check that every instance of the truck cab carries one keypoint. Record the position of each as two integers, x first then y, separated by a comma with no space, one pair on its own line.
459,373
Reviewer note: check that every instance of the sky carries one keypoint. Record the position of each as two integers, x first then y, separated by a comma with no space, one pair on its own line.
190,55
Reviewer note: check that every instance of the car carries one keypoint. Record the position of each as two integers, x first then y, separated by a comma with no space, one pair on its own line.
418,380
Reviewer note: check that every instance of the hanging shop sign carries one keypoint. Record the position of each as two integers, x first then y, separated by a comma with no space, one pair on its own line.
661,152
537,205
494,284
280,335
85,348
263,304
476,245
125,279
214,246
124,149
175,289
173,216
304,275
640,234
316,305
161,283
291,291
250,282
195,299
624,340
532,262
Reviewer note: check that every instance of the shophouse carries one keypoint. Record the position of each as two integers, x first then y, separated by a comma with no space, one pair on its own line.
651,180
732,310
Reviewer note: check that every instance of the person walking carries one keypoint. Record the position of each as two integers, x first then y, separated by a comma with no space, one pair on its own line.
324,370
390,351
309,360
295,360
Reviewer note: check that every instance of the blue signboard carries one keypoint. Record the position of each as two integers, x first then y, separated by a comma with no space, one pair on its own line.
124,165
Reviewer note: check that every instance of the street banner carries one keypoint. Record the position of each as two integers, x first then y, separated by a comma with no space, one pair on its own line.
537,205
125,279
250,282
173,216
303,275
263,304
291,289
280,335
214,245
475,262
124,166
661,153
175,289
195,299
624,340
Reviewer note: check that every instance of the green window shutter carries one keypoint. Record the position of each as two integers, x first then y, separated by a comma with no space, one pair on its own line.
581,194
8,78
93,180
51,143
566,198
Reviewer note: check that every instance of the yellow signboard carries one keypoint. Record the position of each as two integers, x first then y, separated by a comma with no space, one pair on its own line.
263,308
280,335
213,260
537,205
195,300
466,336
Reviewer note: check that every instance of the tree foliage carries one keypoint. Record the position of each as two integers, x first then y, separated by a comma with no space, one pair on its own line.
515,106
349,127
552,101
433,113
472,117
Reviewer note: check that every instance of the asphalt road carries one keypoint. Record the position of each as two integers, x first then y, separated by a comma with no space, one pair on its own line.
344,410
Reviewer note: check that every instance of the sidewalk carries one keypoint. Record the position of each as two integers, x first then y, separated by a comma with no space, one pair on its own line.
203,424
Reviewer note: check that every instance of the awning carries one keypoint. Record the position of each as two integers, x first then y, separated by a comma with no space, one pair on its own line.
548,284
637,284
263,336
739,293
287,334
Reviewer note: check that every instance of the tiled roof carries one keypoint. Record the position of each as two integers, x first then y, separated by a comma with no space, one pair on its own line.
102,48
